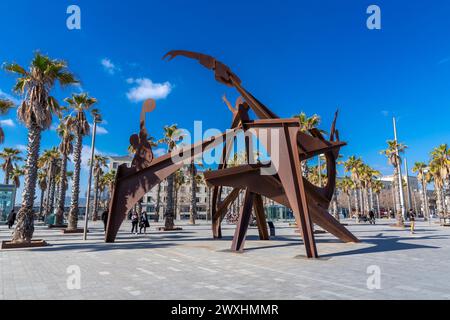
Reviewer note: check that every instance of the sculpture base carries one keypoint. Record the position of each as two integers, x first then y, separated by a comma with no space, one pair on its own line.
5,245
73,231
169,229
55,226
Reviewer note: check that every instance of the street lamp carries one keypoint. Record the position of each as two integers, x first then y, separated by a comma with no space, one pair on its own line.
400,178
91,167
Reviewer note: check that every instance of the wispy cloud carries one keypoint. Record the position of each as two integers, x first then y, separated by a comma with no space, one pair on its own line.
146,89
109,66
21,147
86,156
385,113
7,123
4,95
445,60
100,130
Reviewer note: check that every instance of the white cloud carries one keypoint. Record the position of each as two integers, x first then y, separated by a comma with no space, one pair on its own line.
21,147
4,95
445,60
159,152
86,156
385,113
7,123
100,130
147,89
109,66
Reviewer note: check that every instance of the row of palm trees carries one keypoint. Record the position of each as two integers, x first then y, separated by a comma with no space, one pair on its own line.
37,112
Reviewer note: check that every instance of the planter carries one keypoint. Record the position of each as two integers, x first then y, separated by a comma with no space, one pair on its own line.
8,245
168,230
74,231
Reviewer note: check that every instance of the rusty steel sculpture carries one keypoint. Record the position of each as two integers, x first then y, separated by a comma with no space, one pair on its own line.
286,186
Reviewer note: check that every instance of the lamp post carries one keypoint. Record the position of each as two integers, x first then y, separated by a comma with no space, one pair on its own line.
88,202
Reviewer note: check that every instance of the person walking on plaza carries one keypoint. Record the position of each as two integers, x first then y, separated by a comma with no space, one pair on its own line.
134,223
144,223
105,215
372,217
11,218
412,220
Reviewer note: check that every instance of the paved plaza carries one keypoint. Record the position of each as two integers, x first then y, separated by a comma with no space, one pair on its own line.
189,265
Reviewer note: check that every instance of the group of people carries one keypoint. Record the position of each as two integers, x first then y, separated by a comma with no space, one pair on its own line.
141,222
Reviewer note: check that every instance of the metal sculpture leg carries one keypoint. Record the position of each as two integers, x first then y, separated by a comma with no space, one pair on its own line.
261,221
291,178
244,221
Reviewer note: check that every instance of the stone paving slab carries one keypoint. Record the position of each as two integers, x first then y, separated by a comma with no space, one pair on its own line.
188,264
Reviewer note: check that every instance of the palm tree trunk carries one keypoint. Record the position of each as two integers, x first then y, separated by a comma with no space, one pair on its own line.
378,206
158,202
7,174
209,214
96,184
355,194
74,204
25,217
52,197
426,203
193,212
59,216
169,214
349,205
41,206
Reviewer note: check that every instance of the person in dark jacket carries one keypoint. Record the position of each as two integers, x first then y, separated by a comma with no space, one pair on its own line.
372,217
11,218
144,223
105,216
134,223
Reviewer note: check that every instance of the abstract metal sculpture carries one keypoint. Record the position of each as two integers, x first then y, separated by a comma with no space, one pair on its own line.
287,186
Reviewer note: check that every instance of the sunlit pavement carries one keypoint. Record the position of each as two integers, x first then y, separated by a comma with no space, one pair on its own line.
190,265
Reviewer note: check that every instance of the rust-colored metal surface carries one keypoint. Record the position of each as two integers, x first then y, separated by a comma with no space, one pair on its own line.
287,147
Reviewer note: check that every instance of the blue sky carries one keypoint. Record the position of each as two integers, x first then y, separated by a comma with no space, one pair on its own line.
312,56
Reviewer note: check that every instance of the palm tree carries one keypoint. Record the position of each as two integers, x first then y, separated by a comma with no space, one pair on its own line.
420,168
48,162
79,103
36,113
347,185
109,179
179,181
393,152
10,156
368,175
65,148
99,163
172,136
440,170
5,106
42,182
307,124
377,187
15,176
352,166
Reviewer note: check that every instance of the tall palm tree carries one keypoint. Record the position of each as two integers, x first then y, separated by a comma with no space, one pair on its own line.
80,104
353,166
306,124
179,181
393,152
36,113
10,157
65,148
347,185
42,182
440,169
48,162
377,187
99,163
420,168
15,176
171,137
109,179
368,175
5,106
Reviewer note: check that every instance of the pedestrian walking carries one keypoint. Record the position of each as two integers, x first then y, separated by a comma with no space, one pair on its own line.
144,223
134,223
11,218
412,220
105,217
